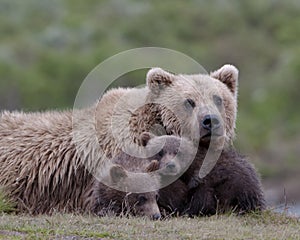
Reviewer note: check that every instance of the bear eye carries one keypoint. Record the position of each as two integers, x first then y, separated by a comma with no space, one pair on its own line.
161,153
141,200
189,103
218,100
176,151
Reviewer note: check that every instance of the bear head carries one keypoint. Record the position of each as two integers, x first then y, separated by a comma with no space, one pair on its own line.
200,106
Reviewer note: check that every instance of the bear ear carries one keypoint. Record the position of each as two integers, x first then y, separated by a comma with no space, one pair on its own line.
117,173
145,137
228,74
158,79
153,166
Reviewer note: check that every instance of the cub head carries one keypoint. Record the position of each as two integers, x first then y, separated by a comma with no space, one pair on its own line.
174,154
197,106
139,204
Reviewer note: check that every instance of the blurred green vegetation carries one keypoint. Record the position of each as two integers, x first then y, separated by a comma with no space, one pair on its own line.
48,47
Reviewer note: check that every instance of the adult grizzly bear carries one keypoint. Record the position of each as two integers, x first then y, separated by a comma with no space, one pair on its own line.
52,154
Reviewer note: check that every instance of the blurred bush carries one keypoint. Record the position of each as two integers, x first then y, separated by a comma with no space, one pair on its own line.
48,47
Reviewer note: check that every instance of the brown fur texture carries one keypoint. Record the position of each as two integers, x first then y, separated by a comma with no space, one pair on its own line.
40,167
232,185
173,198
44,172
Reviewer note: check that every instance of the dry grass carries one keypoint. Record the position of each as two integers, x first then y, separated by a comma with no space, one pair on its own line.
268,225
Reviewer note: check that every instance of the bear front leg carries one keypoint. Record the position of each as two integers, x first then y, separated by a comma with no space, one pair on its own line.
202,201
240,197
241,190
172,198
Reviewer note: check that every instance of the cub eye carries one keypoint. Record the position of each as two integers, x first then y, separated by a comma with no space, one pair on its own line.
189,103
141,200
161,153
218,100
176,151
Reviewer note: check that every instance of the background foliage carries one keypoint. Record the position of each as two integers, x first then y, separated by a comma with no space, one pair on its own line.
48,47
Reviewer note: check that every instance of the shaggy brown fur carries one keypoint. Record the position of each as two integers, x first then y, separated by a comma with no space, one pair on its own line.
41,169
44,172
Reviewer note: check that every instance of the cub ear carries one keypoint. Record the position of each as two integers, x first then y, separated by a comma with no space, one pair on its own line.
158,79
145,137
153,166
228,74
117,173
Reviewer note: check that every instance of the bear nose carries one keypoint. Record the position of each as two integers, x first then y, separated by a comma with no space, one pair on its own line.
171,166
156,216
211,122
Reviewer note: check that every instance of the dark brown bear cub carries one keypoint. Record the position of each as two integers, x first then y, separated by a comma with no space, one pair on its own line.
232,185
105,200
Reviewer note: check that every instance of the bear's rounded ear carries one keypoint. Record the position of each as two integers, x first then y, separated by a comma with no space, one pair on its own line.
117,173
145,137
228,74
158,79
153,166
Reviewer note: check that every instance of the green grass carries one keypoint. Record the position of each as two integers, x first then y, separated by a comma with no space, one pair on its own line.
6,206
267,225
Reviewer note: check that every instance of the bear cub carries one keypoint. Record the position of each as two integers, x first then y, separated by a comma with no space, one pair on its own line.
232,185
159,159
106,200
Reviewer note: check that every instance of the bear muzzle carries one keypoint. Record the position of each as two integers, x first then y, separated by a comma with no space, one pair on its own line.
210,127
